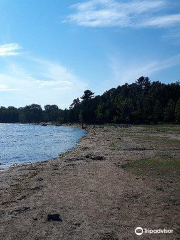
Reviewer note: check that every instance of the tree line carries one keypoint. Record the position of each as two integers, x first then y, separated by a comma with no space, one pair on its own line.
140,102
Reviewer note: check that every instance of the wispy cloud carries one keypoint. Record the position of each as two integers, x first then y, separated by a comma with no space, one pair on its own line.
53,74
128,74
134,13
54,83
37,80
173,35
6,88
11,49
163,21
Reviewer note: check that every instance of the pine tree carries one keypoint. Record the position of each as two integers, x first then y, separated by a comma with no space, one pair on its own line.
177,111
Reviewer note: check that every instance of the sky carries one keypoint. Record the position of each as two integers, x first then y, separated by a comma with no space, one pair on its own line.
53,50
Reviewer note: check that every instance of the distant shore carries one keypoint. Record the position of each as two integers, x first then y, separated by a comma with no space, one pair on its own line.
102,189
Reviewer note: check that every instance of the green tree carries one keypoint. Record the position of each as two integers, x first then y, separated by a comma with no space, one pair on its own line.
99,114
86,106
143,82
139,102
177,111
158,112
51,112
169,112
87,95
75,103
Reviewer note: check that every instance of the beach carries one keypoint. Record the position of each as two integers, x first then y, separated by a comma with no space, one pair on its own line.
117,178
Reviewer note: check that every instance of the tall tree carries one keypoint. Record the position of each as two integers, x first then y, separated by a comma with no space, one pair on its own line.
75,103
86,106
177,111
169,112
144,82
87,95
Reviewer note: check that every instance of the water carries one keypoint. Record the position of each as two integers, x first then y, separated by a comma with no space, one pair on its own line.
21,144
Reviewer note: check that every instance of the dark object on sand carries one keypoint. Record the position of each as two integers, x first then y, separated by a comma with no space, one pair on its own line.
97,158
54,217
94,157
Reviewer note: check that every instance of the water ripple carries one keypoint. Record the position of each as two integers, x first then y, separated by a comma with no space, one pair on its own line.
20,143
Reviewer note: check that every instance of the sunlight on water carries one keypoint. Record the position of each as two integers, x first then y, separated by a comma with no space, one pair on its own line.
20,144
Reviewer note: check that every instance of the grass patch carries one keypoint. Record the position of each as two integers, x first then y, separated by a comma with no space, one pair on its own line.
154,167
169,142
113,145
164,155
173,201
162,128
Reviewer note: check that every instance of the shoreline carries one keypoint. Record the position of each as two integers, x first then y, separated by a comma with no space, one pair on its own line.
91,190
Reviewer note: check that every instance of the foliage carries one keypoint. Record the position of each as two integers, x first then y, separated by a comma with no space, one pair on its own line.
139,102
177,111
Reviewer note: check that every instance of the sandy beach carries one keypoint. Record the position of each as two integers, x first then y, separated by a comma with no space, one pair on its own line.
115,180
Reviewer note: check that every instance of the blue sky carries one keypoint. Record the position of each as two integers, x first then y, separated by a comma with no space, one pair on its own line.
52,50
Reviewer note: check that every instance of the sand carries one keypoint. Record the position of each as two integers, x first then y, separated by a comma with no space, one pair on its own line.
95,196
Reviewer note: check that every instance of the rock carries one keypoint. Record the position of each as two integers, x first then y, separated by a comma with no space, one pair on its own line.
54,217
97,157
94,157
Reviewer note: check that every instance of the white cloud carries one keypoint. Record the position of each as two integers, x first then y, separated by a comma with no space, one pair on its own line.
39,81
5,88
163,21
54,83
108,13
134,13
11,49
128,74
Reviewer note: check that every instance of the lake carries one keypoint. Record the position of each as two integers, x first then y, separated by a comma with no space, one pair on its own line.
26,143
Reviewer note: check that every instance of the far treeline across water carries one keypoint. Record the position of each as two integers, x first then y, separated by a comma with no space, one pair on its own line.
139,102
